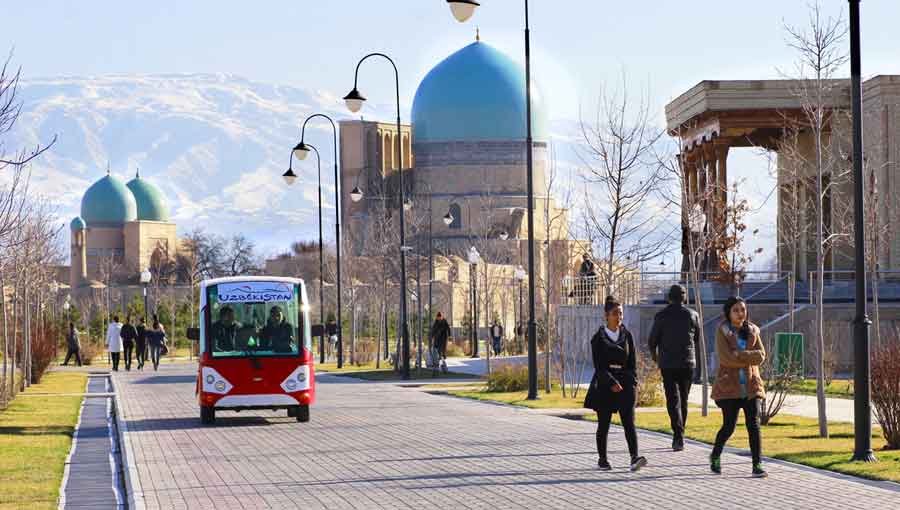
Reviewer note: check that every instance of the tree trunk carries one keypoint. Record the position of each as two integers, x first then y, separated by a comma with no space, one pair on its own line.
820,289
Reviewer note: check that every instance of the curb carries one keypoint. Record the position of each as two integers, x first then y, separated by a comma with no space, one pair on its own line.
134,494
61,499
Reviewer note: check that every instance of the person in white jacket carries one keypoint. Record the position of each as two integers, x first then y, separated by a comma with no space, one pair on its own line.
114,341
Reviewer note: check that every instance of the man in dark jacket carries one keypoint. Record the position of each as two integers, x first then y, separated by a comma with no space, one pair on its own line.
141,343
440,333
673,344
73,346
129,335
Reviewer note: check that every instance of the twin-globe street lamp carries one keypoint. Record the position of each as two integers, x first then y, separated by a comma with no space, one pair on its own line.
290,177
301,150
463,10
474,258
145,277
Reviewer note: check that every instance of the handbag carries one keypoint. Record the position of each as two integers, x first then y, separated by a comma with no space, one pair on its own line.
164,349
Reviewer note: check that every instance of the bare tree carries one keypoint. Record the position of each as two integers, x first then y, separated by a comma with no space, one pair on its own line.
821,52
239,257
623,180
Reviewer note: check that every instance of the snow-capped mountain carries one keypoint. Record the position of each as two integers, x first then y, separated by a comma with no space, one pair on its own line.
216,145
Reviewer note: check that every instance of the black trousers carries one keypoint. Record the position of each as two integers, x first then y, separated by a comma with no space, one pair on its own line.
604,417
69,355
677,384
115,360
140,354
730,409
129,347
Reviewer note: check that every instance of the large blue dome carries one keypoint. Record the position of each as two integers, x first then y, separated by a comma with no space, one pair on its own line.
475,94
108,201
151,204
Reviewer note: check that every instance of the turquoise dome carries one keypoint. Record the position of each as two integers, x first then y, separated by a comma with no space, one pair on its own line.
475,94
77,224
108,201
151,205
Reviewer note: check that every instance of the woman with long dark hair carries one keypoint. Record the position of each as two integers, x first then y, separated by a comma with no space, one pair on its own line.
614,385
739,384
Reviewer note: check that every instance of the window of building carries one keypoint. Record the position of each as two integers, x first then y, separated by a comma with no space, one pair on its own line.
456,212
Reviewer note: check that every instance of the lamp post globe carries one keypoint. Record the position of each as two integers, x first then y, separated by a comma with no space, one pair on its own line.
504,235
356,194
301,150
407,204
354,100
448,219
146,276
462,9
289,176
520,273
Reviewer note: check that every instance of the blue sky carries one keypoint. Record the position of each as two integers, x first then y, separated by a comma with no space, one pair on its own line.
578,44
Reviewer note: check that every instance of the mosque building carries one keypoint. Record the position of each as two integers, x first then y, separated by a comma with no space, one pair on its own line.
123,228
463,159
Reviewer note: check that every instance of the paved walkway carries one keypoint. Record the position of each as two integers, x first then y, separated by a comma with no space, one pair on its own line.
376,445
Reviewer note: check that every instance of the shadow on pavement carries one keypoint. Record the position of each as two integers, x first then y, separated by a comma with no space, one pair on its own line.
166,379
188,423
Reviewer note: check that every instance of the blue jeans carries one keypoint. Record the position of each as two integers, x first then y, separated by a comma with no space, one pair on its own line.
154,355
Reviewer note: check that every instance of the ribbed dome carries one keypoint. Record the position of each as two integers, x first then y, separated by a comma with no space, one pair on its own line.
477,93
108,201
77,224
151,206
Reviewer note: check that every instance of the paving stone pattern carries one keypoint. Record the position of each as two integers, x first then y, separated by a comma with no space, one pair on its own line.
377,445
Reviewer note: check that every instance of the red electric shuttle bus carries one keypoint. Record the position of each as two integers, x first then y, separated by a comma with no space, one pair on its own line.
255,346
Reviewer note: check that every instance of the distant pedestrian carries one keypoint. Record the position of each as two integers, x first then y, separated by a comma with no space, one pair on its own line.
156,339
673,342
129,335
587,276
73,345
440,334
140,343
738,385
497,337
114,341
613,388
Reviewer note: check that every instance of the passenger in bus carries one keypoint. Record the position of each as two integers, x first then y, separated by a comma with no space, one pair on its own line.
277,334
224,331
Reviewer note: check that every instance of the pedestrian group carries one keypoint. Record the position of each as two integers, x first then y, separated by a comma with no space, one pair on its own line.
673,344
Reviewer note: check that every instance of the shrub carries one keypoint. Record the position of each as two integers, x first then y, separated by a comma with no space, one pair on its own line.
454,350
649,389
507,377
43,352
886,391
89,350
778,384
365,351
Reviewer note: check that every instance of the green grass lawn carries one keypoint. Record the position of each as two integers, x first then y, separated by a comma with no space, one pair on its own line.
386,372
839,388
790,438
35,437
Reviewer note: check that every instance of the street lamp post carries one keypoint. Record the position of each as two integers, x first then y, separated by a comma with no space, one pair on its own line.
520,277
862,412
289,178
462,10
474,259
145,277
354,101
301,150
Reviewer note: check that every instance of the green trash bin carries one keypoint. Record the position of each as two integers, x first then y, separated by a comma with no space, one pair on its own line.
790,353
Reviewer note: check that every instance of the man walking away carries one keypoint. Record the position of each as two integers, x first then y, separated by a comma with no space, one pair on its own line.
141,344
673,345
114,341
440,333
73,346
497,337
129,335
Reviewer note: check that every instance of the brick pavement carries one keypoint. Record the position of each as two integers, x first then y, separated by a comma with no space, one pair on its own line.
375,445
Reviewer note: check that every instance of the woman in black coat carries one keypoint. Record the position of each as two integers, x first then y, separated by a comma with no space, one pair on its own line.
614,385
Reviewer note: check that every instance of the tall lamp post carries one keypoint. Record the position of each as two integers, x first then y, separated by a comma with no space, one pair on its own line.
290,177
145,277
354,101
462,10
520,277
862,412
301,150
474,258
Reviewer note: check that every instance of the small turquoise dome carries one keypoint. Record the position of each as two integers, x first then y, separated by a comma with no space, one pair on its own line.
108,201
77,224
477,93
151,206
